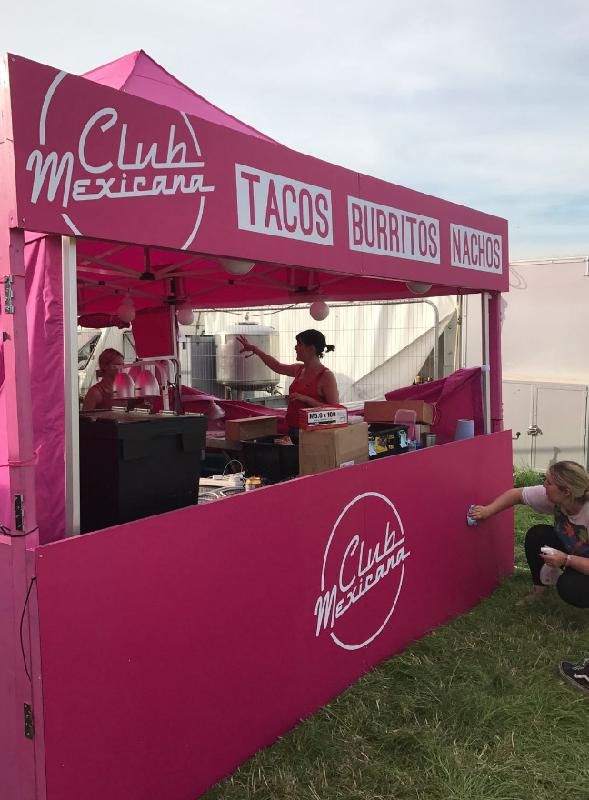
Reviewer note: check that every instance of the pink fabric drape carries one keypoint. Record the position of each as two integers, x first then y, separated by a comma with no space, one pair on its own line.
45,338
459,396
152,331
46,356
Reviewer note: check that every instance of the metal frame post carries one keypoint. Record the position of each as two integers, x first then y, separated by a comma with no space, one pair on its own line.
486,368
71,390
495,375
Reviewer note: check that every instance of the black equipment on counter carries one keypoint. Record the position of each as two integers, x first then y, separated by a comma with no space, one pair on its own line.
273,462
386,439
133,465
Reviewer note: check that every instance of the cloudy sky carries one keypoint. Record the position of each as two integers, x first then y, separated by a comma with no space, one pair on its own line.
481,103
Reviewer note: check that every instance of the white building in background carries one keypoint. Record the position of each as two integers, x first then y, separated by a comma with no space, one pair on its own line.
545,352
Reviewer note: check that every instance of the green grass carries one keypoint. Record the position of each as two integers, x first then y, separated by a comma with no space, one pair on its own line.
474,711
526,476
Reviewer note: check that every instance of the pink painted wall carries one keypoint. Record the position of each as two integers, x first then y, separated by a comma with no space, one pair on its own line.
176,646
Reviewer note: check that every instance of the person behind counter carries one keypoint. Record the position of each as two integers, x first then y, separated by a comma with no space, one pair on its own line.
558,553
313,385
100,396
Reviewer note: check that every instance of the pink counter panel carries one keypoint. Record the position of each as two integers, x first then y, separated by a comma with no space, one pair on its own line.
8,713
175,647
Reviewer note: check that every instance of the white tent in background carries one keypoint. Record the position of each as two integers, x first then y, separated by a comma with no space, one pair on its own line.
378,346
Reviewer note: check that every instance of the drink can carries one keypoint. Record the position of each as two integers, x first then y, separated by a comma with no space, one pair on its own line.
469,520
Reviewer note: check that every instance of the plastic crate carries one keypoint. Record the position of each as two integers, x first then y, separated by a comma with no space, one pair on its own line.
272,462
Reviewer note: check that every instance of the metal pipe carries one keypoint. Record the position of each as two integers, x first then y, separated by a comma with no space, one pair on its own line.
458,356
436,333
486,369
72,402
564,260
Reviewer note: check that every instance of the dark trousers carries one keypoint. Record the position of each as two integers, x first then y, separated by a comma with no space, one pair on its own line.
572,586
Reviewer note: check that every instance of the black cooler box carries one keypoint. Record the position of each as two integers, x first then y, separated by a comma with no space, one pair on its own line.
272,462
133,465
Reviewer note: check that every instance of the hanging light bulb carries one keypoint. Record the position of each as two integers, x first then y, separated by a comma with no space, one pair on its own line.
126,310
319,310
236,266
417,287
184,314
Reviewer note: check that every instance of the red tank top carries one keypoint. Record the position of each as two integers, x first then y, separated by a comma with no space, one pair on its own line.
106,398
302,385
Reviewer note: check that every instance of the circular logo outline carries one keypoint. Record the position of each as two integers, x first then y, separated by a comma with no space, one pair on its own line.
333,531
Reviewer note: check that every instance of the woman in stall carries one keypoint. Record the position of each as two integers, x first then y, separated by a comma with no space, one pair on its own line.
557,554
313,385
100,396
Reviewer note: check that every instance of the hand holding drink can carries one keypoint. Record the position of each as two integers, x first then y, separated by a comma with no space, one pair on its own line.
470,520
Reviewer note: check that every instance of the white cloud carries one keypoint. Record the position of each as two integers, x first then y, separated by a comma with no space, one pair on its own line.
482,103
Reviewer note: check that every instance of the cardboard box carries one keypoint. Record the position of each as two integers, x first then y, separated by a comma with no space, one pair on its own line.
326,449
239,430
323,417
385,410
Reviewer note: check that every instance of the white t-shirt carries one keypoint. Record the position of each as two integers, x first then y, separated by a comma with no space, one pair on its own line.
571,529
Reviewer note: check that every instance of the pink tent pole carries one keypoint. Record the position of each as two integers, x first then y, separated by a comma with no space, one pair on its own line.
17,386
21,762
495,361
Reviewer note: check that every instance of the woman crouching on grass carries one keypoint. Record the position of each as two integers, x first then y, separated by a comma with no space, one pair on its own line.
564,493
558,553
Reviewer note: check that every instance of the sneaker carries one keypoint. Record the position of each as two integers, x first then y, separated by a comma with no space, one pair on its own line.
549,575
576,674
537,593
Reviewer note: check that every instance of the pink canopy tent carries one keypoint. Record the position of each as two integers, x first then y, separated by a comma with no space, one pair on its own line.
125,182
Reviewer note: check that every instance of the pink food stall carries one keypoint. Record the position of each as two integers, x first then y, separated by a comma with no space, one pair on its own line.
148,659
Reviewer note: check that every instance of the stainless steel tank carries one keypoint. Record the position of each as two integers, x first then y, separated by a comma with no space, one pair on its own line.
237,371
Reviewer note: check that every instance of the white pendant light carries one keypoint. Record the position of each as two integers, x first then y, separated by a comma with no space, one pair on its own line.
417,287
319,310
184,314
126,310
236,266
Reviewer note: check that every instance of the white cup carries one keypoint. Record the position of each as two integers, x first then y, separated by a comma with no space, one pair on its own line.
464,429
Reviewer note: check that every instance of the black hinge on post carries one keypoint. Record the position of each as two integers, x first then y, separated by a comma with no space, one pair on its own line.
9,295
19,514
29,722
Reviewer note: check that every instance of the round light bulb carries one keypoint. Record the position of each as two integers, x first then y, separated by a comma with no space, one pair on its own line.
126,311
319,310
236,266
417,287
185,315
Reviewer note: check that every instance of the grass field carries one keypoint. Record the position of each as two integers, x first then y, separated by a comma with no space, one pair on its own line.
474,711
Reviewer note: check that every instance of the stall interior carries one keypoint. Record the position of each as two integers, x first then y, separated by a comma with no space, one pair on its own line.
393,406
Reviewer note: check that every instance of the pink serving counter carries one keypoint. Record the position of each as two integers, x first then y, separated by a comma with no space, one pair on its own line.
173,648
148,660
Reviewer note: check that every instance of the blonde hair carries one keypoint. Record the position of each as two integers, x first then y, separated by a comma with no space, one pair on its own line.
572,477
108,356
